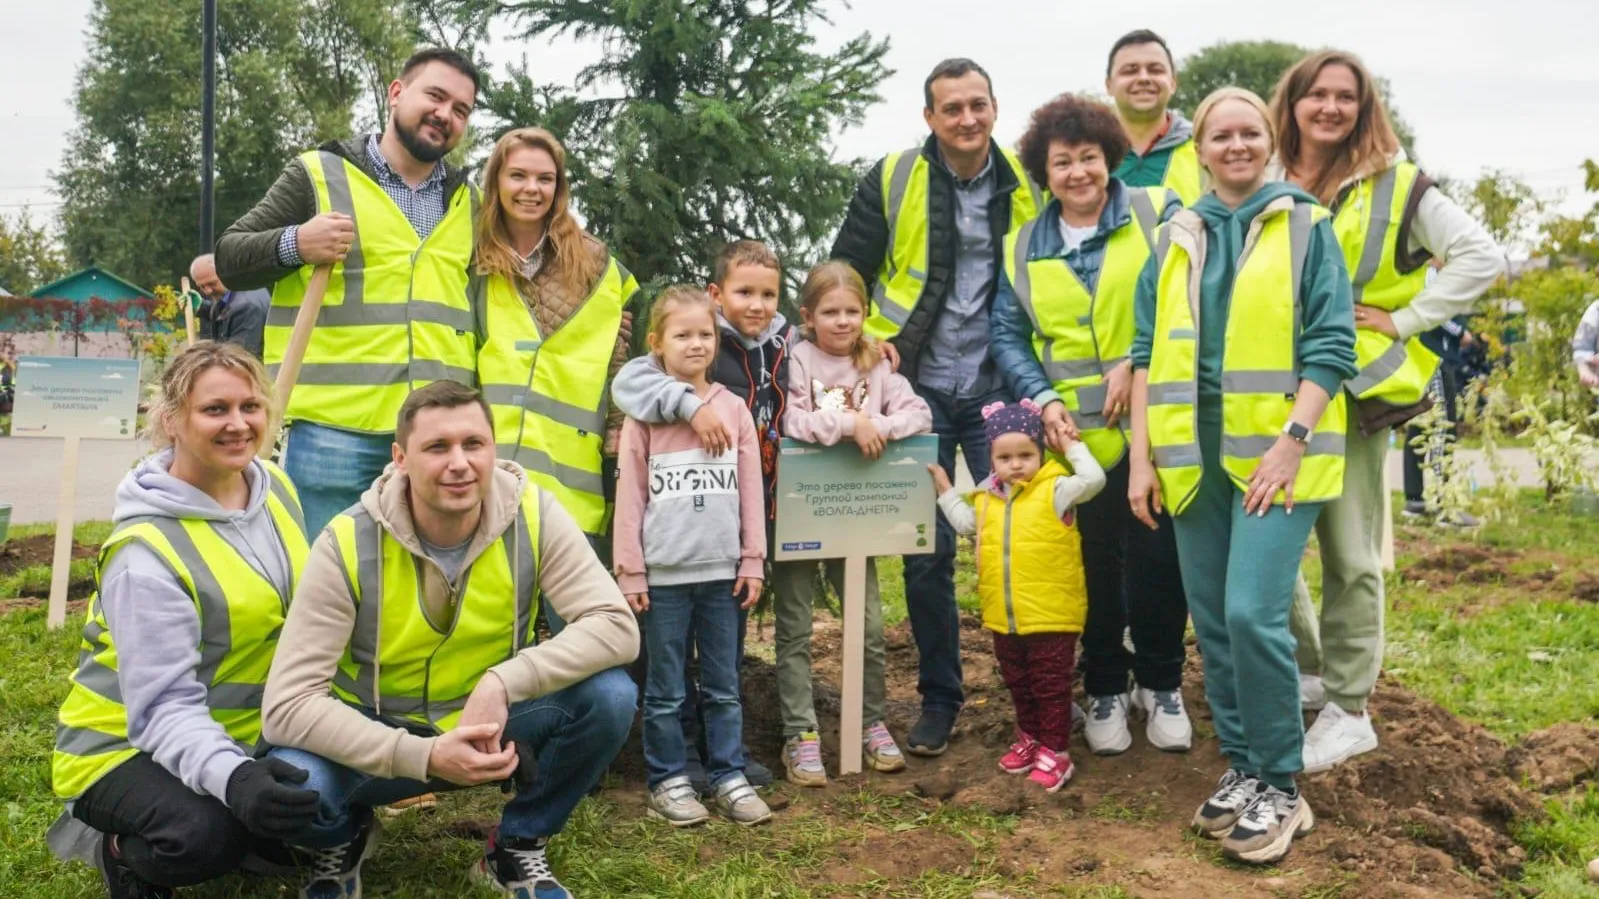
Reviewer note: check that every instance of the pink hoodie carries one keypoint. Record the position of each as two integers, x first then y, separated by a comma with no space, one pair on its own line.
826,391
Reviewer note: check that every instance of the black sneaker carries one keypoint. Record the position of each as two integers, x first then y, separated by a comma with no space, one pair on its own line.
930,735
756,773
518,868
1414,508
694,770
120,881
336,871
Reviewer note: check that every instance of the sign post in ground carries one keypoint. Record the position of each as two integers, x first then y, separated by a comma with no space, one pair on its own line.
72,398
835,503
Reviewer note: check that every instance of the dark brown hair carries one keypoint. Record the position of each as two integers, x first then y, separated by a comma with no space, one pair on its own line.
953,68
1071,120
1133,39
445,55
438,395
744,252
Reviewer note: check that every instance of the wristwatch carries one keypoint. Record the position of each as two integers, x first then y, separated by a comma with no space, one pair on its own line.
1297,431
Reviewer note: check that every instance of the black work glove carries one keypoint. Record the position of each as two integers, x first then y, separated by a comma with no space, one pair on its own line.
261,794
527,770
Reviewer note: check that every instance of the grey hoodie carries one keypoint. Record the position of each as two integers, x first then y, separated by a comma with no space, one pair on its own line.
157,630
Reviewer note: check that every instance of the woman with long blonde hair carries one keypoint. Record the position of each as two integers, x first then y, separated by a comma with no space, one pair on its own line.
551,307
153,743
1338,144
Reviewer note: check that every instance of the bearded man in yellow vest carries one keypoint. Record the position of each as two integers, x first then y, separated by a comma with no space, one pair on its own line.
410,660
925,229
396,224
1141,77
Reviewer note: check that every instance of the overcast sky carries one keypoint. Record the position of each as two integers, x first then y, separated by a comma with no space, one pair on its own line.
1484,83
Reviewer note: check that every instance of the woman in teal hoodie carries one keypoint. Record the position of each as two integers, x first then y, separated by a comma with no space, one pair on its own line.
1228,393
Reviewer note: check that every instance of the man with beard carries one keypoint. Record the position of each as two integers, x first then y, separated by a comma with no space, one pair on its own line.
395,223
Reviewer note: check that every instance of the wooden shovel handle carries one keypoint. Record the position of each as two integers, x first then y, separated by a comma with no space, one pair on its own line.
294,353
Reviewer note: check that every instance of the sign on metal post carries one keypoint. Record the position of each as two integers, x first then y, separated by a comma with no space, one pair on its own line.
835,503
73,398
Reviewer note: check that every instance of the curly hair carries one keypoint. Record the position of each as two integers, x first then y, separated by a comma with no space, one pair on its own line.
1070,119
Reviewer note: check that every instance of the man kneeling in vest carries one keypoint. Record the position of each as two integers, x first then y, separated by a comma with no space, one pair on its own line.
409,661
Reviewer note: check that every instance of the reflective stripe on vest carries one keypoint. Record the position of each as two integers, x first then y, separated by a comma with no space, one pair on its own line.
906,180
1029,568
239,628
402,665
1078,336
1368,224
395,316
1184,176
548,393
1260,374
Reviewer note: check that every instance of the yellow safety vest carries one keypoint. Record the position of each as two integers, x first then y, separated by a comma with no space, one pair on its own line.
1368,224
401,665
1260,364
906,179
1029,563
548,393
241,613
395,316
1077,335
1184,176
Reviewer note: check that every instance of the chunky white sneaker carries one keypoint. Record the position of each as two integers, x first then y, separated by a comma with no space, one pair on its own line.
1168,728
1337,736
1234,792
1107,724
1269,827
1312,692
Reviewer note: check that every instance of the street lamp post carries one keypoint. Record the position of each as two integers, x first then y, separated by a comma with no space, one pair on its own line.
208,124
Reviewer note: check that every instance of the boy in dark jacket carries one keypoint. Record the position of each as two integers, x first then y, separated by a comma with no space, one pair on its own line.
752,363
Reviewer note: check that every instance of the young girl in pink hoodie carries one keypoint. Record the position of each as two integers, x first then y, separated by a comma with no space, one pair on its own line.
840,387
690,548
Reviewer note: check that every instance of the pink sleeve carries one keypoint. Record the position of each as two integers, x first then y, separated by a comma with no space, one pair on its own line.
802,420
632,494
751,500
901,413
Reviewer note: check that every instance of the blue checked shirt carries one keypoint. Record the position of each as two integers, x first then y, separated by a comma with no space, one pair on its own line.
423,207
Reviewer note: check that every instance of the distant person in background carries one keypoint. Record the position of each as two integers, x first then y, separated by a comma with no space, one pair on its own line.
235,316
1585,347
1451,341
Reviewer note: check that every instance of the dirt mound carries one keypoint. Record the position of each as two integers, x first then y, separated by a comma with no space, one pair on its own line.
39,549
1558,758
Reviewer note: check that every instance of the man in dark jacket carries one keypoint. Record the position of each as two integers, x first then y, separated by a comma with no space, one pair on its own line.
229,316
348,205
925,230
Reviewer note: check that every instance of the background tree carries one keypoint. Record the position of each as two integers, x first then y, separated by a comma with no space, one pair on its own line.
1257,65
699,123
291,73
29,255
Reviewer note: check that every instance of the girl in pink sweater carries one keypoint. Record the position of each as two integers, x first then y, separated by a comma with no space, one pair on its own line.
839,388
690,548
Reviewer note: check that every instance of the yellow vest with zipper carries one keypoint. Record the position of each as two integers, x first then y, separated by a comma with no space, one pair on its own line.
395,316
1368,224
1077,335
240,611
1260,363
1029,563
548,392
1184,176
906,181
401,665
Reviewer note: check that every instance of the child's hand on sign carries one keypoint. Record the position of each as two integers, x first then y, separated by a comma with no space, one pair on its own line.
867,436
749,588
639,601
940,478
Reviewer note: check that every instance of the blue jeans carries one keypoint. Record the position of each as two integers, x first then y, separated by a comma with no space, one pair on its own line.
930,579
710,612
575,733
332,468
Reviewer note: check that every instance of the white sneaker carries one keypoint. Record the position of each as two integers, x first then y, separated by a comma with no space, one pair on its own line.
1312,692
1107,724
1169,729
1337,736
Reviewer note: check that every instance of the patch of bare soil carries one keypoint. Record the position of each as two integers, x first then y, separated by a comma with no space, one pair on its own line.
1426,816
39,549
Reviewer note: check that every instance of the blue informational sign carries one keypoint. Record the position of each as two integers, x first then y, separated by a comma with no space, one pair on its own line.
833,502
65,396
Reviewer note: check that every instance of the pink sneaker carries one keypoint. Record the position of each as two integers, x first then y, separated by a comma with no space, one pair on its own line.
1023,753
1051,769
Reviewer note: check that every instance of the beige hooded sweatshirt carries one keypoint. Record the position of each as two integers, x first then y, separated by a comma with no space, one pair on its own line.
300,710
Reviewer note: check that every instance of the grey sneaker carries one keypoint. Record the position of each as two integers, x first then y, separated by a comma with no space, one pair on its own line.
1269,827
1414,508
1234,792
674,801
739,803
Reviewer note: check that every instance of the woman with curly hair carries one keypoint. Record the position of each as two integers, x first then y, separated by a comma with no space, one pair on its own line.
1062,324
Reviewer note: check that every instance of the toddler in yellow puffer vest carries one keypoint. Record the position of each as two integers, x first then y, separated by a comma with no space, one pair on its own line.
1030,577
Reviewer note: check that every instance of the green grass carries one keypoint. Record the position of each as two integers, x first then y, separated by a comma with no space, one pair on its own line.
35,579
